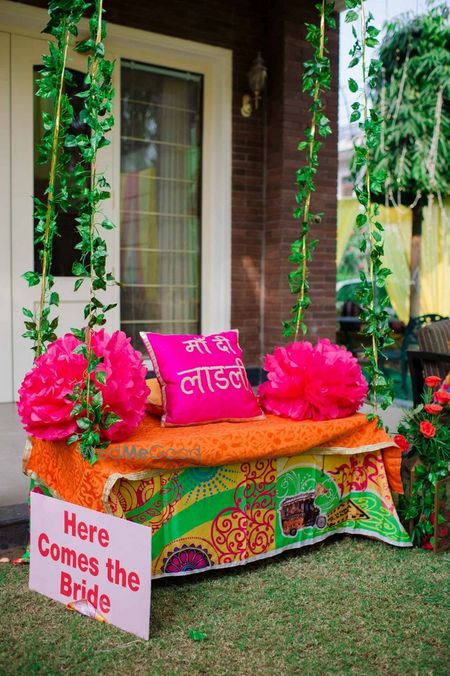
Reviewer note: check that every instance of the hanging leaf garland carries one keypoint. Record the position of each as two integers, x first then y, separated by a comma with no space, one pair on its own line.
316,80
54,77
93,188
88,189
369,182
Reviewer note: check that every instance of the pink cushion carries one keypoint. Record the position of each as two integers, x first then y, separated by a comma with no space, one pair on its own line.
202,378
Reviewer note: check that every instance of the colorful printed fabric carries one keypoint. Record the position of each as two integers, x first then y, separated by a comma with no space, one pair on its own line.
63,470
213,517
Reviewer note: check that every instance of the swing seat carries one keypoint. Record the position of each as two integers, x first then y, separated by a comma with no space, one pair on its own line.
224,494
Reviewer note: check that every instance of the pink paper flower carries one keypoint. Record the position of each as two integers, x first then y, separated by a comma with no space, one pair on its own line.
43,404
315,383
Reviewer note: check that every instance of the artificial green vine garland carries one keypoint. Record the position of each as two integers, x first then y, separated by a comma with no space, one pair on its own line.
64,17
375,319
91,188
316,80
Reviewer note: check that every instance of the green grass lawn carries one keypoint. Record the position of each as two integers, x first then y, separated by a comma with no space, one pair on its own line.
347,606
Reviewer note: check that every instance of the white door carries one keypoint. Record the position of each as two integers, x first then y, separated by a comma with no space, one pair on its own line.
28,178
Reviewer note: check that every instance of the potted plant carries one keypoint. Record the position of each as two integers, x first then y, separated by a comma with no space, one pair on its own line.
424,435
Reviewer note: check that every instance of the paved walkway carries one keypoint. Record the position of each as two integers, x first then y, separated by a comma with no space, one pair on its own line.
392,416
14,485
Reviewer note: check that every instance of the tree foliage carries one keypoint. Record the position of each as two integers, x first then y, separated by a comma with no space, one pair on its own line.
412,94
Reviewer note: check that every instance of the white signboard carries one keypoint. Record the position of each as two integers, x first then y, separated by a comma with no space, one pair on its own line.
78,555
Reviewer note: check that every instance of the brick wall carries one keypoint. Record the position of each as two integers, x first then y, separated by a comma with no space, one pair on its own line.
285,129
264,154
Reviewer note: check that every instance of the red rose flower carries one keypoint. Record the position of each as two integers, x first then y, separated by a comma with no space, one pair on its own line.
433,408
401,442
432,381
442,397
426,544
428,430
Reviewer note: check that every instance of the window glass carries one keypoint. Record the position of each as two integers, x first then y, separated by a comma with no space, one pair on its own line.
64,253
160,224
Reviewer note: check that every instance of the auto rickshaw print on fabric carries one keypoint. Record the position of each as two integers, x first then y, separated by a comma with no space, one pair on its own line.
318,495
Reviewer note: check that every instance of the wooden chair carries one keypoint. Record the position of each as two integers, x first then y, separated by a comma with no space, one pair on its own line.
410,340
433,362
433,357
435,338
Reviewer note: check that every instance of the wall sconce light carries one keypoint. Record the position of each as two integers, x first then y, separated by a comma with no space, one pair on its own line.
256,79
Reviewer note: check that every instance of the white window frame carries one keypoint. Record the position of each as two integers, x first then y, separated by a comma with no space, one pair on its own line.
215,64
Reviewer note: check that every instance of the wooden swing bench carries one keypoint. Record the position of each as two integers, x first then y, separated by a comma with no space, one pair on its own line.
215,495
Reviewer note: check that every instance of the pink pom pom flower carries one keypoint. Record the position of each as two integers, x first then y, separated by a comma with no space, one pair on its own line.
312,383
44,407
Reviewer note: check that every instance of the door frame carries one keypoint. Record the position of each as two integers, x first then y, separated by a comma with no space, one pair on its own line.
6,352
215,64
